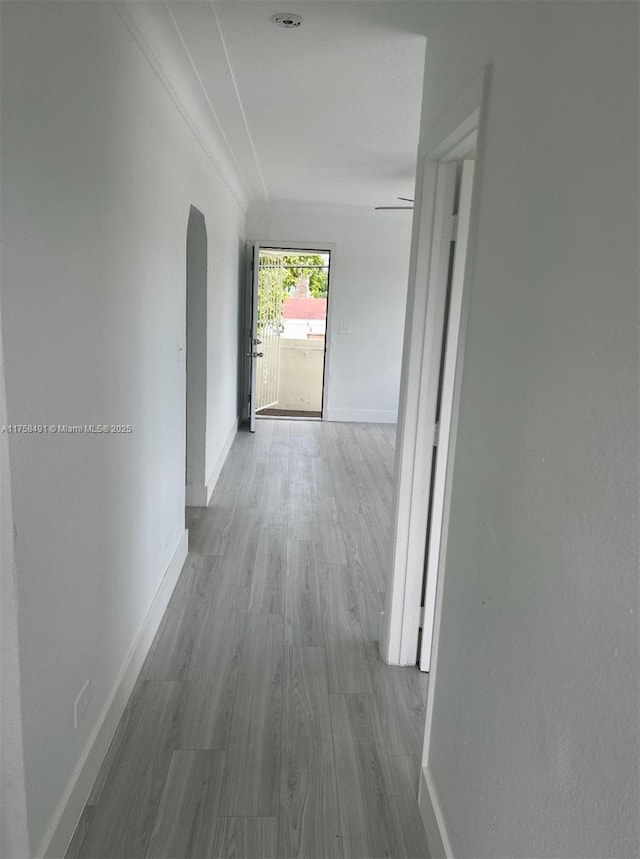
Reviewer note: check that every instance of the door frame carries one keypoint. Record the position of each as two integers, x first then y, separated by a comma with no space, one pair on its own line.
272,244
461,129
452,348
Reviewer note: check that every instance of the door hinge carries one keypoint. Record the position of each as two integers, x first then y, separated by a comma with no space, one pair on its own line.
454,228
423,611
436,434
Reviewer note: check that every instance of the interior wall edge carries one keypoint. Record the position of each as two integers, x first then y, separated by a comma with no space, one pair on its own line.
14,833
200,495
434,827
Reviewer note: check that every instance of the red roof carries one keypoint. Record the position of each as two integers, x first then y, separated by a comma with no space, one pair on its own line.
304,308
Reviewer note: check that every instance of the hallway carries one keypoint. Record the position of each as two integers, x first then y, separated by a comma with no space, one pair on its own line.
264,723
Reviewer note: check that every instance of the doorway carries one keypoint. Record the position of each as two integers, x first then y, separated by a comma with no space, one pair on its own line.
444,237
443,342
450,347
291,326
196,360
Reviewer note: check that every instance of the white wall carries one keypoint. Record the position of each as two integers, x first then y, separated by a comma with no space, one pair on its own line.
14,836
534,744
99,171
367,291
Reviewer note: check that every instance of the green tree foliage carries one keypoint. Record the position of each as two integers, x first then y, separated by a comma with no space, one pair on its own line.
318,277
277,278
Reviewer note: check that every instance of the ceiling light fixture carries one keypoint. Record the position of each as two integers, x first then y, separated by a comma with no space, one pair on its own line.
286,20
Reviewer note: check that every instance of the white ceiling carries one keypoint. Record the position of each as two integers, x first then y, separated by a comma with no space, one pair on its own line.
326,114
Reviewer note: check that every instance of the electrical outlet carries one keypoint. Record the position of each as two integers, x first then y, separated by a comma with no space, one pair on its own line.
345,328
82,704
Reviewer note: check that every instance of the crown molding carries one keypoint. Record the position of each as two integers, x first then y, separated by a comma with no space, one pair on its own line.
242,198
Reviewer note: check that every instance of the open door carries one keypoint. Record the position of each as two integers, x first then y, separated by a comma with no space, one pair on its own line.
269,329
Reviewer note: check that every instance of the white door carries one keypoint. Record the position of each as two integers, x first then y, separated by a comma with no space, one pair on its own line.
271,293
444,410
263,351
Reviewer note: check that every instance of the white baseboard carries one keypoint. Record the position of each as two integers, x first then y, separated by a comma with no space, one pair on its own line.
60,831
198,495
366,416
437,838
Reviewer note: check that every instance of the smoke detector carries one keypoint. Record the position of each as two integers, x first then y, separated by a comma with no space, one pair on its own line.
287,21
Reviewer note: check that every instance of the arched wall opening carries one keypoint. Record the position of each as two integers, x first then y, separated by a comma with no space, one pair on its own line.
196,362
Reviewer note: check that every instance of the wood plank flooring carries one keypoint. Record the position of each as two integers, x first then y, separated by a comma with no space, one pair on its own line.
264,723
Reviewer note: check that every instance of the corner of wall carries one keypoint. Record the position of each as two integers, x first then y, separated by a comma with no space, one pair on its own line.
437,838
200,495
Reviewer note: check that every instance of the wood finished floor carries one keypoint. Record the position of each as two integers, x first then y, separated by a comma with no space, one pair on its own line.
264,722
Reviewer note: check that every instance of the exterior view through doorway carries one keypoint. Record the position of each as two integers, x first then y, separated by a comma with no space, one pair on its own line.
291,325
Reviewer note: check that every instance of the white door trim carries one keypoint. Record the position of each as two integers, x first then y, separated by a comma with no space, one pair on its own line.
418,395
454,347
449,140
